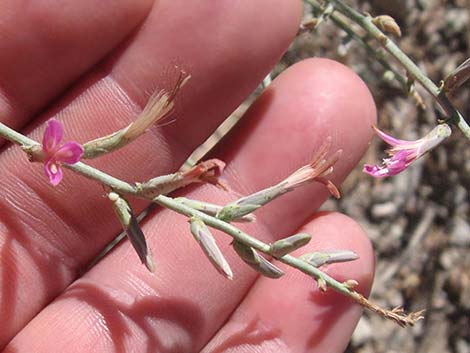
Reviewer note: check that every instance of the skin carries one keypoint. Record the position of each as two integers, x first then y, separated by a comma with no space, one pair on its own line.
93,67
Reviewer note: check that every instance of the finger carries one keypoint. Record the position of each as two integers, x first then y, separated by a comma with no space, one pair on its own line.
291,314
186,301
50,235
47,45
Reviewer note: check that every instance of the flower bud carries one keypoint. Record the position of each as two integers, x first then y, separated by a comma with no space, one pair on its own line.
309,25
207,242
255,261
351,283
318,259
231,212
458,77
322,284
287,245
212,209
387,24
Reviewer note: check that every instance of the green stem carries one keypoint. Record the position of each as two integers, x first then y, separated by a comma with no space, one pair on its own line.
15,137
104,178
237,234
339,22
167,202
246,239
413,70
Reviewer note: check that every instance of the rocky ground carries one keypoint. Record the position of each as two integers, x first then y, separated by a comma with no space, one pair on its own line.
418,220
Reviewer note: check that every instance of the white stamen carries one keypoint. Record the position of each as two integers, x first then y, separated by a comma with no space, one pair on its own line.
53,168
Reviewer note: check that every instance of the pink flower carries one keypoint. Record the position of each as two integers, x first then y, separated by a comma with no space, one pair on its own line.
403,153
55,154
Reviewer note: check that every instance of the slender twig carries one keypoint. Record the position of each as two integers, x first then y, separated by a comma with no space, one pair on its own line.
167,202
237,234
15,137
365,21
340,23
325,13
246,239
396,314
103,178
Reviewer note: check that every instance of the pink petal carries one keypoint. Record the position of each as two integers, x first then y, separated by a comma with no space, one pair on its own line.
69,152
52,136
392,166
396,166
53,171
406,156
376,171
392,141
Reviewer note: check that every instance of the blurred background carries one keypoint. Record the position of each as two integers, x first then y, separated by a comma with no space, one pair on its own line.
418,220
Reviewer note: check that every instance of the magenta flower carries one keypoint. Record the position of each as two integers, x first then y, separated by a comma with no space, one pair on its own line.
403,153
55,154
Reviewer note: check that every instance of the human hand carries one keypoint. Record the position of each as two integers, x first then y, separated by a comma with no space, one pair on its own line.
48,236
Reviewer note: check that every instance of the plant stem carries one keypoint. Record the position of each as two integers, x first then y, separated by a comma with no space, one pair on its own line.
246,239
15,137
339,22
167,202
104,178
412,69
396,315
237,234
